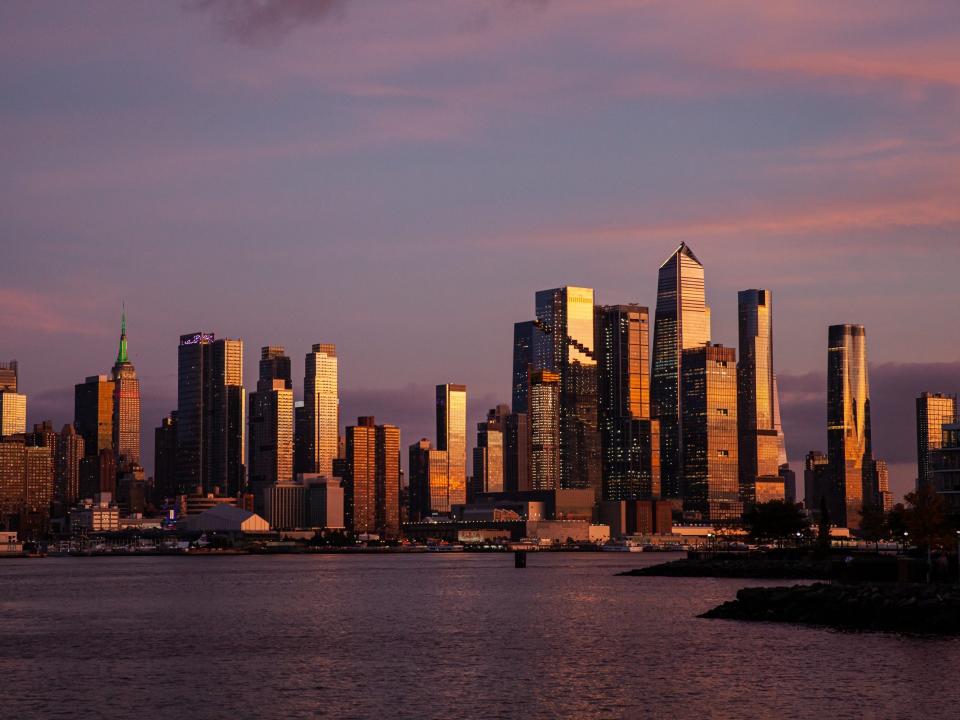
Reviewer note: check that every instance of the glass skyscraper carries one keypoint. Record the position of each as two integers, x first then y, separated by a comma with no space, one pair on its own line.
630,457
682,322
544,431
93,413
452,437
848,423
759,455
271,423
564,344
709,401
321,407
934,410
523,338
372,485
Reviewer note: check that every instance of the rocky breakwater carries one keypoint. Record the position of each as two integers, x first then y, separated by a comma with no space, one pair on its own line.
774,566
931,609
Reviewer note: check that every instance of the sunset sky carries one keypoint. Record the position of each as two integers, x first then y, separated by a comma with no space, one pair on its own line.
399,177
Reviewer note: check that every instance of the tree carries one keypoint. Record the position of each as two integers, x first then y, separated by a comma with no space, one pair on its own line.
926,518
823,527
873,524
776,520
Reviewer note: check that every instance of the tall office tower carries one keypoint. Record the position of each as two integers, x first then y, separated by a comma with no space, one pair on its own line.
210,427
564,345
373,478
488,456
321,403
26,486
782,458
93,413
126,405
544,430
708,396
789,478
682,322
227,419
271,422
275,365
756,401
516,452
165,459
629,459
13,405
452,437
876,485
419,489
301,435
523,339
193,372
69,453
816,467
934,410
848,422
8,376
945,468
43,435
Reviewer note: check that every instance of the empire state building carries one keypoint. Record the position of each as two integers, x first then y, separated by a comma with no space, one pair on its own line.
126,405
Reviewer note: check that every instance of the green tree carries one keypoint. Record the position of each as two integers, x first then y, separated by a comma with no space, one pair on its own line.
776,520
926,518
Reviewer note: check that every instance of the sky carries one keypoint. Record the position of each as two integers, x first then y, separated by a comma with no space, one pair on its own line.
399,178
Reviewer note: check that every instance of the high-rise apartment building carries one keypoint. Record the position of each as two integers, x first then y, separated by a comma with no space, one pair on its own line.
759,451
69,453
211,422
372,484
630,460
544,430
126,405
271,422
516,452
945,468
419,488
848,422
682,322
816,473
523,339
709,401
321,408
452,437
564,344
26,486
93,413
934,410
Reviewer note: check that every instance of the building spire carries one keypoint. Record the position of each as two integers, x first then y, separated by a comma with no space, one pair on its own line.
122,352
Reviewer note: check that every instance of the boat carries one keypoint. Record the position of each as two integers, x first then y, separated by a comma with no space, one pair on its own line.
623,546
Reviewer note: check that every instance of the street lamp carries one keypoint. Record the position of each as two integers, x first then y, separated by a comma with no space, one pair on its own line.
905,534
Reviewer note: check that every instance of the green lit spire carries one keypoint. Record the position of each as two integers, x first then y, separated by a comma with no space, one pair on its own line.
122,353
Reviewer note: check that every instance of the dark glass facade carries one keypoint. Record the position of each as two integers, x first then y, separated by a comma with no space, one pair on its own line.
682,322
934,410
523,337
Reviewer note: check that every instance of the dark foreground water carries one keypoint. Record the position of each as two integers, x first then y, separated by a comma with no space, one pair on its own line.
430,636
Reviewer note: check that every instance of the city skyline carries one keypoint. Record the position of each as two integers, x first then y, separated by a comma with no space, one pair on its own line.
824,171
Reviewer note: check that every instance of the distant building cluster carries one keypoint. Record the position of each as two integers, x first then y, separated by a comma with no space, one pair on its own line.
642,424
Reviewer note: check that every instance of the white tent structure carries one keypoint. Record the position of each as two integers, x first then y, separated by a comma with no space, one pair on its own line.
225,518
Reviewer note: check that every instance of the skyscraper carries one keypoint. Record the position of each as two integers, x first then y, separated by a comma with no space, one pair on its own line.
227,419
816,468
419,493
934,410
165,458
126,405
564,344
93,413
271,423
523,339
488,455
629,459
452,437
544,430
69,453
321,407
373,478
13,405
516,452
682,322
210,427
709,400
756,395
848,422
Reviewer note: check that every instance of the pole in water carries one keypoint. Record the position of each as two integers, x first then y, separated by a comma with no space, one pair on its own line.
519,558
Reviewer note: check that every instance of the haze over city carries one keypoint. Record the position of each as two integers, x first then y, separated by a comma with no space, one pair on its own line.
400,178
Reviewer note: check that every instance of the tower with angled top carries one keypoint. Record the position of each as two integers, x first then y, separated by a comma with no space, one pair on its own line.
126,404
